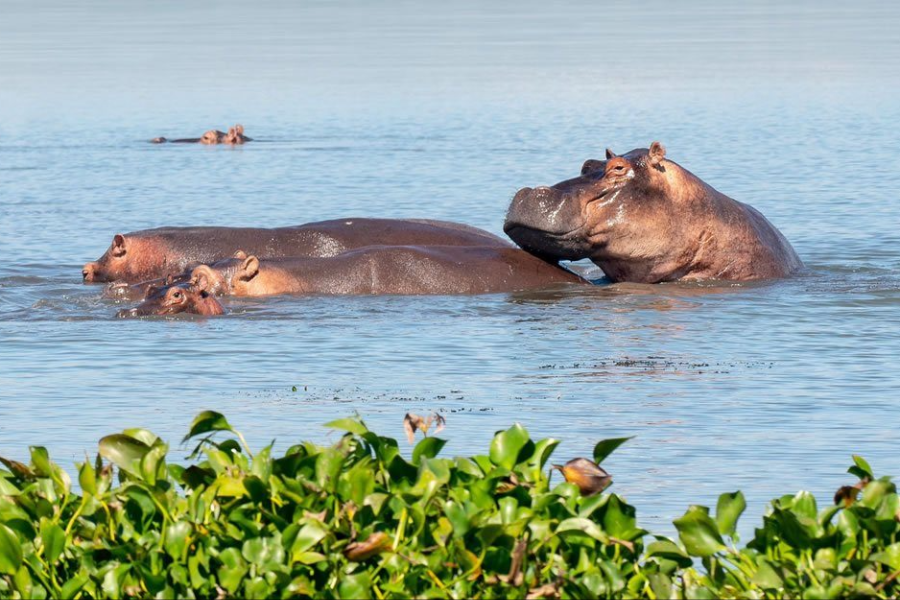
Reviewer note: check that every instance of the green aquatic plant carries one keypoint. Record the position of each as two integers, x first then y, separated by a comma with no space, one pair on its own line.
359,520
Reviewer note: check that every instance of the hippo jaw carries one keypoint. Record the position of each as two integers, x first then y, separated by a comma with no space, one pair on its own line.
548,224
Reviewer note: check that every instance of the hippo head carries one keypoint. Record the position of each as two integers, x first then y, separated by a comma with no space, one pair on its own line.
235,136
175,299
232,276
622,213
129,258
212,137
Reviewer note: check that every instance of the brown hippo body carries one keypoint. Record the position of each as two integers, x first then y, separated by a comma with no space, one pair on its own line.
642,218
170,251
234,137
376,270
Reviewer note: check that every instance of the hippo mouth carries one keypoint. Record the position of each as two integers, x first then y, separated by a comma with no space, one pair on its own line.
548,245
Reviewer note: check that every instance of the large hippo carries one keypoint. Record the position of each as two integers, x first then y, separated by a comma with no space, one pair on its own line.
234,137
643,218
170,251
376,270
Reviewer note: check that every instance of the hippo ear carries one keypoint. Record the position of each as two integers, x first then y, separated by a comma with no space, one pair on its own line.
591,165
118,245
248,269
240,255
610,154
202,278
657,153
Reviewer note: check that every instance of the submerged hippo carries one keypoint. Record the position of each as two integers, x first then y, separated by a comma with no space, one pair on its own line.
377,270
235,136
170,251
643,218
176,299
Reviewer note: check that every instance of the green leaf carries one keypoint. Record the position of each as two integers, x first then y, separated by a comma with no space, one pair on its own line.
699,533
671,551
54,540
124,451
728,510
10,551
661,585
355,586
507,445
429,448
542,451
232,570
40,458
308,536
328,466
176,539
87,478
862,468
766,576
606,447
585,526
890,556
74,585
354,426
619,517
207,421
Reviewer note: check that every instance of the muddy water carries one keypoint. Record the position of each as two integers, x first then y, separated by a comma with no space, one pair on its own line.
400,112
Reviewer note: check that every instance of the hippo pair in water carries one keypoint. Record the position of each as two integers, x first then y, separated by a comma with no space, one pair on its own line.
184,269
235,136
639,217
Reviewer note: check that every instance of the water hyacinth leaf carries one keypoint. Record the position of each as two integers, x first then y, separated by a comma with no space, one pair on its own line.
766,576
543,449
619,517
153,463
354,426
356,586
804,504
124,451
40,458
328,465
54,540
75,584
604,448
506,446
309,535
890,556
428,448
875,491
87,478
142,435
10,551
176,538
232,570
661,585
861,468
729,509
585,526
669,550
206,422
698,532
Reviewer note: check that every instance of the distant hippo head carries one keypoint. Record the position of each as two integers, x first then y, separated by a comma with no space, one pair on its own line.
129,258
212,137
175,299
643,218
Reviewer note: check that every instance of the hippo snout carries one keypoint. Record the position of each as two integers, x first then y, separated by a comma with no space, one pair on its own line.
128,313
89,272
542,220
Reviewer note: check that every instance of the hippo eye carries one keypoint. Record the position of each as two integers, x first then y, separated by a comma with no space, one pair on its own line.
619,168
177,295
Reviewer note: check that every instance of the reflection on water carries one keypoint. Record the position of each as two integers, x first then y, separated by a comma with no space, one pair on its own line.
444,112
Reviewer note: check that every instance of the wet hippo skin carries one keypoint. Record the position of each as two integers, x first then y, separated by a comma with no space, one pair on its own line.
170,251
645,219
376,270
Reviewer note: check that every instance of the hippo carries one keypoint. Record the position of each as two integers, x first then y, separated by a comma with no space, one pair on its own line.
234,137
176,299
170,251
642,218
375,270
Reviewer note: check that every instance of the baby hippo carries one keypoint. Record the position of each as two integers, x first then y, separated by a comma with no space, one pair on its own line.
235,136
176,299
376,270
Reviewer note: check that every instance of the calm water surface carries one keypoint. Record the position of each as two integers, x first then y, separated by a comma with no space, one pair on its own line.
400,111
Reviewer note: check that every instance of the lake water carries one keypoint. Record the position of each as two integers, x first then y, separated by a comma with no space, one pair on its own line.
400,110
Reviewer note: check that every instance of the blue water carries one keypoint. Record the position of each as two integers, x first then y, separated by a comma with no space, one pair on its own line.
401,110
